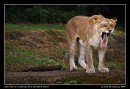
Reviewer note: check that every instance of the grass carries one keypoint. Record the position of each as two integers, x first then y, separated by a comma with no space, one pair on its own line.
19,57
118,32
111,64
23,27
23,54
115,65
60,27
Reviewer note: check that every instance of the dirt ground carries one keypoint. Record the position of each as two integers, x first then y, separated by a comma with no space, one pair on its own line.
57,77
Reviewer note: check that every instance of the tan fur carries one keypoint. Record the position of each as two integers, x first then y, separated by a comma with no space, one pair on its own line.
89,31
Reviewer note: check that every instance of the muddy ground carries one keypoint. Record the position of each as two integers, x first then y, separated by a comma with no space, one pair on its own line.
57,77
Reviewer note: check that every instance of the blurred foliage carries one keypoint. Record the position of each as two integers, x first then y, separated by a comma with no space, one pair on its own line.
55,13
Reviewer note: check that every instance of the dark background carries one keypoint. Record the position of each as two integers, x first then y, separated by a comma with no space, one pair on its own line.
60,13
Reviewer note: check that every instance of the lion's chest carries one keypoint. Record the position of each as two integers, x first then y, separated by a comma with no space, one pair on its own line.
95,41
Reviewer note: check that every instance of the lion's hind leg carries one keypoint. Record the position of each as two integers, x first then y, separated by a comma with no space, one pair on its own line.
72,48
81,60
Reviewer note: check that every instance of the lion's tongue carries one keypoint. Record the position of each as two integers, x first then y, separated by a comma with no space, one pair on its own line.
104,41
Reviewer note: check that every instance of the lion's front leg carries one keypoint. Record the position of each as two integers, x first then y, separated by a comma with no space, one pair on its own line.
101,67
90,67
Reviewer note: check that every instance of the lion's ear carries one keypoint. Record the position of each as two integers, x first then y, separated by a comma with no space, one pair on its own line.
96,18
114,19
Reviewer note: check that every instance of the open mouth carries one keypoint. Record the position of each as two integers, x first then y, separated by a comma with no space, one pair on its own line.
103,34
104,39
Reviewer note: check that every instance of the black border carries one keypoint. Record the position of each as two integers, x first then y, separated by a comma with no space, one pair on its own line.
54,2
66,86
65,1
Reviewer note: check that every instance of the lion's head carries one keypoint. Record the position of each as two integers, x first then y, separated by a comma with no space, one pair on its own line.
104,27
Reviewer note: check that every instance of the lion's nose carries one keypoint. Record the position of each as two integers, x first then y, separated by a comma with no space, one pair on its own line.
110,31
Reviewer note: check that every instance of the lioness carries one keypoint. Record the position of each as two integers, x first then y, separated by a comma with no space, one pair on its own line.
89,33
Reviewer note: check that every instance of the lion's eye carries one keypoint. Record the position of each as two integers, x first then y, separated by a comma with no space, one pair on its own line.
103,25
112,25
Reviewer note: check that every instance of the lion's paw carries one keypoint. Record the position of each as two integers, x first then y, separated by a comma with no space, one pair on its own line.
90,70
103,70
73,68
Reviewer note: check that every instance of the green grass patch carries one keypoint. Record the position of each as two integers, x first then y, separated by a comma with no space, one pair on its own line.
19,57
115,65
111,65
23,27
118,32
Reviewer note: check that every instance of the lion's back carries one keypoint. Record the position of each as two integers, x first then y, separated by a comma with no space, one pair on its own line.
76,27
78,21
